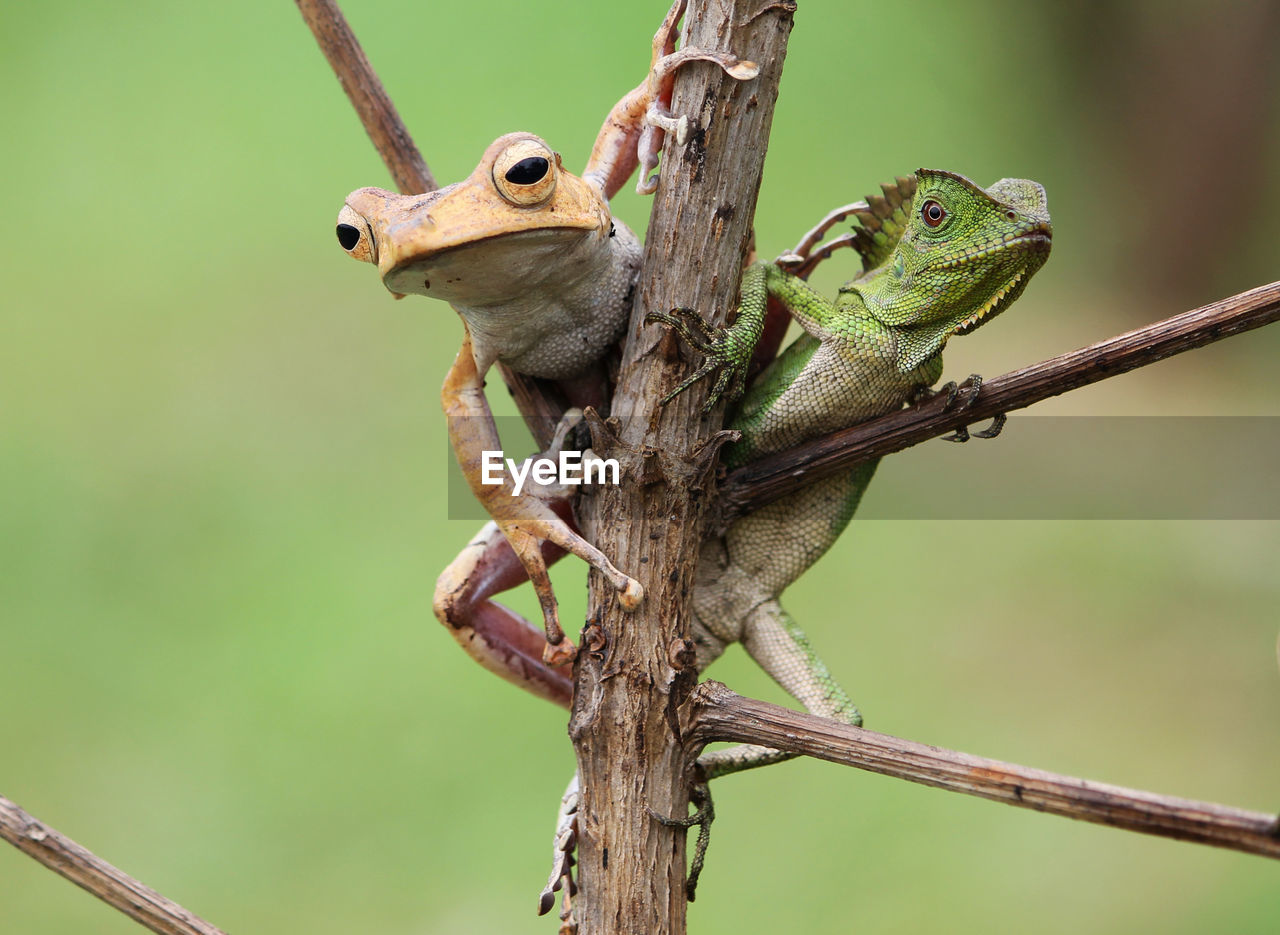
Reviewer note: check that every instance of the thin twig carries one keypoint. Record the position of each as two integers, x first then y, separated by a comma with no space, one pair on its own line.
114,887
381,120
763,481
537,400
713,712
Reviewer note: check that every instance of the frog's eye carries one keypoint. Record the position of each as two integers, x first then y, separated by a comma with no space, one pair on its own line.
932,213
523,173
355,237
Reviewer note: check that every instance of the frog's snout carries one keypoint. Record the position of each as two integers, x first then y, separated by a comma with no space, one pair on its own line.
355,235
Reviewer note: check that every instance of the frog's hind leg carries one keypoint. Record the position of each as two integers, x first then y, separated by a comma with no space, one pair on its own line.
498,638
566,839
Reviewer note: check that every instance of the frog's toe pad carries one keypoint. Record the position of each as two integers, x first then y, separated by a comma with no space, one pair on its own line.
559,654
631,595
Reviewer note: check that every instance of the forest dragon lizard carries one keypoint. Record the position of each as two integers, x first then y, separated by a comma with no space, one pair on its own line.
941,256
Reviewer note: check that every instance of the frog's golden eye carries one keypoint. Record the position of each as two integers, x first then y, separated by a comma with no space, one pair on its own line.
355,237
524,173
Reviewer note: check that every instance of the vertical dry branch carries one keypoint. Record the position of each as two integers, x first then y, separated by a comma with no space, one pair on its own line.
635,669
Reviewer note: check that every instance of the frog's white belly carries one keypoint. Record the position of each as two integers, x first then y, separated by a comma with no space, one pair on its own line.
552,310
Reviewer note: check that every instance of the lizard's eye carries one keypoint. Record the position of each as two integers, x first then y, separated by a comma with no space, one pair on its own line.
355,237
523,173
932,213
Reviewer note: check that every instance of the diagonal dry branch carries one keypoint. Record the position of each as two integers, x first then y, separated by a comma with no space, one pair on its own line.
114,887
538,400
763,481
713,713
379,116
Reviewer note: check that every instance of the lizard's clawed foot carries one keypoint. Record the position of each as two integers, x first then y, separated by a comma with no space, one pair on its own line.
959,403
727,352
700,796
562,858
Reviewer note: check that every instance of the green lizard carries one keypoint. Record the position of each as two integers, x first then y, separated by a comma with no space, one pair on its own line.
941,256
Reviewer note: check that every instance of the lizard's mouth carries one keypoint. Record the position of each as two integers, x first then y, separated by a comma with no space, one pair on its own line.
1036,243
993,303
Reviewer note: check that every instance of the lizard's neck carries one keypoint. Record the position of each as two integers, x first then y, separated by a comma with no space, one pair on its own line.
889,301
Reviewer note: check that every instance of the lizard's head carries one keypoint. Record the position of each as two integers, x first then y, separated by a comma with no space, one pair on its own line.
965,255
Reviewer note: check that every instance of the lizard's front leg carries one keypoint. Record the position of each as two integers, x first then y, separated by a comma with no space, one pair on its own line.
729,351
525,520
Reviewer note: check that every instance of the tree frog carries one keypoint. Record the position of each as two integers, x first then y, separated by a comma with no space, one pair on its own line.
542,274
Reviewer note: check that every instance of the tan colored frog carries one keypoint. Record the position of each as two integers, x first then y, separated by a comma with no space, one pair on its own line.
542,275
527,253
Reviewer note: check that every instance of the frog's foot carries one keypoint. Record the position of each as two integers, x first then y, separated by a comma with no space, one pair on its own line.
658,86
880,219
562,861
527,538
803,266
658,118
700,796
957,402
814,235
634,130
727,352
571,419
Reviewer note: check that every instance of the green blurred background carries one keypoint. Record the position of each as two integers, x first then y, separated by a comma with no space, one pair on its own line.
221,470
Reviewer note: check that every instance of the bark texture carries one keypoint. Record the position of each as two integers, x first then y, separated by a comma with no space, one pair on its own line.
636,668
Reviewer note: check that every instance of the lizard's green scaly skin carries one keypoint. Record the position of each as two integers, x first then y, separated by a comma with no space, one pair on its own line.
939,262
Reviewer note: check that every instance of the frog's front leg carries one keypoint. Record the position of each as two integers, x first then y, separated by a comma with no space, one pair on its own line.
527,522
634,131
